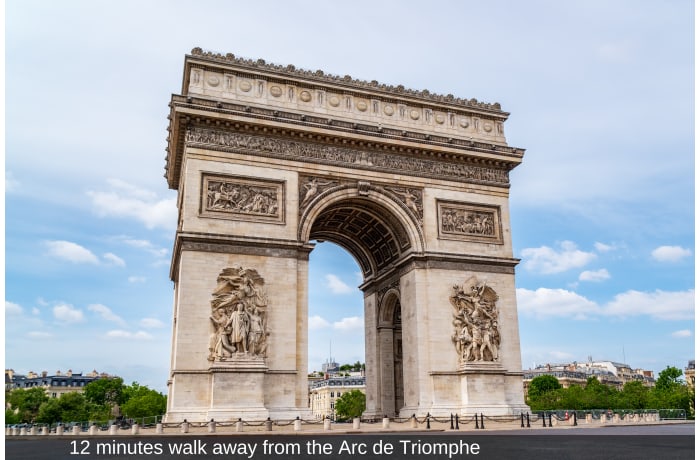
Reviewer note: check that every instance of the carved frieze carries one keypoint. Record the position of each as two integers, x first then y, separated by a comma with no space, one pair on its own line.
312,187
238,316
469,222
412,199
239,198
476,334
343,156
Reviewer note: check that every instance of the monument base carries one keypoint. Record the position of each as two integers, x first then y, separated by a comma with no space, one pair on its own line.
237,389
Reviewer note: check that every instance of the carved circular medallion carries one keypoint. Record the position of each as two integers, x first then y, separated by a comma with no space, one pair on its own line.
245,86
488,127
213,80
334,101
276,91
305,96
414,114
439,118
464,123
388,110
361,106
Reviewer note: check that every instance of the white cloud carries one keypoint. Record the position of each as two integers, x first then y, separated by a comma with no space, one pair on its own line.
545,302
681,334
316,322
597,275
146,246
106,313
561,355
36,311
12,309
130,201
670,253
549,261
39,335
71,252
137,279
658,304
349,324
114,259
66,313
336,285
11,184
151,323
602,247
122,334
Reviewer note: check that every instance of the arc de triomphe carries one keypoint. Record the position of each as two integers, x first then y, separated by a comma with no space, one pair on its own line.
269,159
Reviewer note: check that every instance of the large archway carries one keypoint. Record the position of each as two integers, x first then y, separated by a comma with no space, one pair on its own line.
267,159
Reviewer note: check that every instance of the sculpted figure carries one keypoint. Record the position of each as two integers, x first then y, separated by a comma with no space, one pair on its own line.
239,328
238,316
476,335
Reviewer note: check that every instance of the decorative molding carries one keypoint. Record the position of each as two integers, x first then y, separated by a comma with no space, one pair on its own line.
343,156
319,75
469,222
239,198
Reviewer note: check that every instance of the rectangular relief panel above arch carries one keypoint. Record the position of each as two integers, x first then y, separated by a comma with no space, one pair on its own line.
242,198
469,222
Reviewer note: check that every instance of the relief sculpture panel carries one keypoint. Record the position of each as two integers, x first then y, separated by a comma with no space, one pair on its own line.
238,316
476,332
469,222
232,197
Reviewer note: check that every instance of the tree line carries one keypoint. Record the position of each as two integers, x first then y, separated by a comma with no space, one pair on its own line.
669,392
101,400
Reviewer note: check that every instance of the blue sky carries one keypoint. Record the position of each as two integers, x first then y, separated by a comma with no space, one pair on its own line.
601,94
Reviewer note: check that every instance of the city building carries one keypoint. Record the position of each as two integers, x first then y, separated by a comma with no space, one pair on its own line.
690,375
607,372
54,385
324,393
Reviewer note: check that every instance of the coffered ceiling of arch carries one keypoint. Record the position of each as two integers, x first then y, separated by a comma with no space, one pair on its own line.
375,239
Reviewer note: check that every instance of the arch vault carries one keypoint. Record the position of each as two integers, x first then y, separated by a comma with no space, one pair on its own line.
266,160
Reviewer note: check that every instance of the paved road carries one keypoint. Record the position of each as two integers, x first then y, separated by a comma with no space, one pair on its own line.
620,442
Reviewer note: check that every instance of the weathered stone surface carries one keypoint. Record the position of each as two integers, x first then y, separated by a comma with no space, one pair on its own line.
267,159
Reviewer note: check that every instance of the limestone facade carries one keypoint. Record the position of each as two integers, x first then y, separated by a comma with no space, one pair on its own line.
266,160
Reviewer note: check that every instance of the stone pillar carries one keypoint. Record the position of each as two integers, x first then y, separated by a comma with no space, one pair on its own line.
185,427
356,423
92,430
211,426
239,426
297,424
385,423
326,424
159,428
34,430
76,430
59,429
112,429
135,428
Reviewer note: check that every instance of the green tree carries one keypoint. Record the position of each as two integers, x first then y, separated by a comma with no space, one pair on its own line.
27,402
69,407
541,385
669,379
634,395
144,402
350,405
108,391
11,417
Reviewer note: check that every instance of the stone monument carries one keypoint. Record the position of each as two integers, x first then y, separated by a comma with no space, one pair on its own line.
270,159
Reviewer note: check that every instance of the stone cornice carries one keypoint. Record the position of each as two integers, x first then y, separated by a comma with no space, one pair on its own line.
434,149
227,244
290,71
